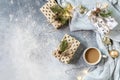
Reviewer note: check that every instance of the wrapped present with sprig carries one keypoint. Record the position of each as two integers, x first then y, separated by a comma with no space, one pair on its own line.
57,15
66,49
101,18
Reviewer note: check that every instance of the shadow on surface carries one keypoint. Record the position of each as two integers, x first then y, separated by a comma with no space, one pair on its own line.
78,53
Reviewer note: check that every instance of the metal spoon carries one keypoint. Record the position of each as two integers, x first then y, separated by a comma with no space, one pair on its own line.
113,53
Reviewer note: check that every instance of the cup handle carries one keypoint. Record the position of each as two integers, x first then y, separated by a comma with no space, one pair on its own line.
104,56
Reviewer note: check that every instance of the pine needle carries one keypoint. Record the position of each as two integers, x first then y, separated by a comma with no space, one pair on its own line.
63,45
107,14
60,14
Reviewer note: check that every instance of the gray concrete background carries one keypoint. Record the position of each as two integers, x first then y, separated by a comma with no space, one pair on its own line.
27,41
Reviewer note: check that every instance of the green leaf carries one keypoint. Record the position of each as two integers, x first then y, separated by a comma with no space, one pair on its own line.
103,14
57,9
63,45
60,14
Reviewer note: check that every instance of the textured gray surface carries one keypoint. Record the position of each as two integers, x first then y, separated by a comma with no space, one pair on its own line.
27,41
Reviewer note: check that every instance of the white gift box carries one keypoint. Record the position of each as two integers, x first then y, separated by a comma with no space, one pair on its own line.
102,24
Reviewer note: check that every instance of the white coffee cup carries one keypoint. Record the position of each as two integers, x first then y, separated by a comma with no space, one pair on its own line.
92,56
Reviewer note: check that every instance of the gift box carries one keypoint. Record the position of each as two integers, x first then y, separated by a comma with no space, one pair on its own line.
45,9
57,15
102,19
67,55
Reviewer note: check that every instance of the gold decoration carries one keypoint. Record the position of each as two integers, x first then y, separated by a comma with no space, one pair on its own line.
69,7
62,15
83,9
107,41
114,53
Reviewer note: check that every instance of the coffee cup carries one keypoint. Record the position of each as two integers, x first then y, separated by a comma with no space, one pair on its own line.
92,56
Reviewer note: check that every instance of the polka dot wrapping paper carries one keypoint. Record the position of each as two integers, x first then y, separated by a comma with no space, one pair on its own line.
68,54
45,9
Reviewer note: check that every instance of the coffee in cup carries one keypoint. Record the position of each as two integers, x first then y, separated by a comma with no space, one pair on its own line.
92,56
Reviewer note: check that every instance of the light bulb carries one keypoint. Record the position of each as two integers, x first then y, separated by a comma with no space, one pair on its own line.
79,78
85,71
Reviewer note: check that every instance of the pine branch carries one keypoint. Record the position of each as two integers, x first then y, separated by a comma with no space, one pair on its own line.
63,45
106,14
62,14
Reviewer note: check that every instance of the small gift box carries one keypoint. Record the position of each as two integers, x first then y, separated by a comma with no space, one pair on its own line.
66,49
55,14
101,18
45,9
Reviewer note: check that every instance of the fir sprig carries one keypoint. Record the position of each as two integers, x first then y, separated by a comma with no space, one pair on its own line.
63,45
62,15
106,14
57,9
